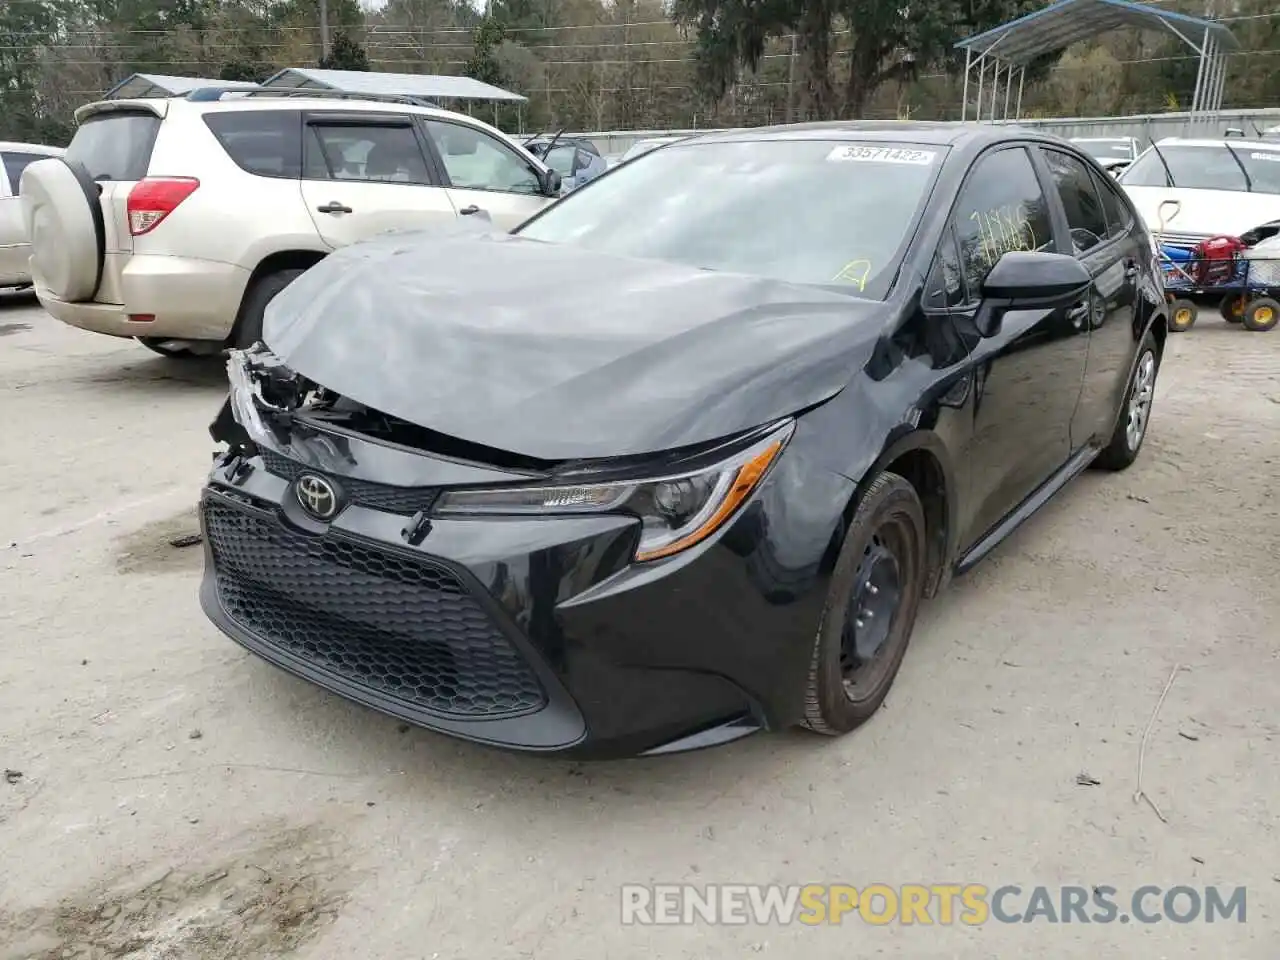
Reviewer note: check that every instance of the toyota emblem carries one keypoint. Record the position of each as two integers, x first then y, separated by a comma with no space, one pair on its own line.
317,496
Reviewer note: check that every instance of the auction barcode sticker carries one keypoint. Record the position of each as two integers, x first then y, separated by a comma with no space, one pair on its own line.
858,154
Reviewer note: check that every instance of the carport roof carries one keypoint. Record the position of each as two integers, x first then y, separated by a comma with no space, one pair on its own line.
422,85
159,85
1063,23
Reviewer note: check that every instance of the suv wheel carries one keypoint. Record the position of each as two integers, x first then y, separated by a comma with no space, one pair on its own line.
249,327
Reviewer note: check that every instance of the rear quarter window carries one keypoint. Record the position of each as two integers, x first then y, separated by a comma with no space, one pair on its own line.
115,146
266,143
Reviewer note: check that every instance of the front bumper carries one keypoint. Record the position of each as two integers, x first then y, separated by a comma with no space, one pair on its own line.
536,634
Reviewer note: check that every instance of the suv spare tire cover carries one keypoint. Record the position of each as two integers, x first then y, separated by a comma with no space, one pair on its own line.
63,218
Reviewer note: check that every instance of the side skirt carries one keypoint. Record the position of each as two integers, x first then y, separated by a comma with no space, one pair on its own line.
1034,502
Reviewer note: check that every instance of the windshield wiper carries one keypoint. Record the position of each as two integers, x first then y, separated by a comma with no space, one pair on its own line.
1248,180
1168,174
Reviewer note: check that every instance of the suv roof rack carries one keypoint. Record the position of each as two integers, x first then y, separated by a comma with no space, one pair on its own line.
217,93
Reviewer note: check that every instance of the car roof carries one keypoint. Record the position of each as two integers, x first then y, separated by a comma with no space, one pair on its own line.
40,148
940,133
1251,142
1101,139
240,104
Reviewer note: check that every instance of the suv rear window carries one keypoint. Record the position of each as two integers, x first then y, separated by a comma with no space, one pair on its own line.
267,143
115,146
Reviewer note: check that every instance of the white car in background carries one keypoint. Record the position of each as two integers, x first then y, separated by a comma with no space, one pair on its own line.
15,251
641,147
1113,154
1190,189
176,221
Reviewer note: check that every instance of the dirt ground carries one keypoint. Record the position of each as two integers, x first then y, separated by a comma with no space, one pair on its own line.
166,795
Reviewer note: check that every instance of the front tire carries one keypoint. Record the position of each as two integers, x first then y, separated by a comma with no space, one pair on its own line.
1261,315
871,608
1135,413
1182,315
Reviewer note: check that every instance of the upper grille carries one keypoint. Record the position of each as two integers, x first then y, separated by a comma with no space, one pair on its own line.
400,627
376,496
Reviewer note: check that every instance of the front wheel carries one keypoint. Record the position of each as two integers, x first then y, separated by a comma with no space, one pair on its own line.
1135,414
871,608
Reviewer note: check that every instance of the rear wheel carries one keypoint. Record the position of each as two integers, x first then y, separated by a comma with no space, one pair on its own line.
264,290
1182,315
1232,307
1261,315
871,608
1135,415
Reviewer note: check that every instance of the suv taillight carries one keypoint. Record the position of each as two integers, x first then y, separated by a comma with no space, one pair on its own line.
153,199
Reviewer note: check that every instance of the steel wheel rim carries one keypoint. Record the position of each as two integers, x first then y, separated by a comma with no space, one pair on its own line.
1144,382
875,606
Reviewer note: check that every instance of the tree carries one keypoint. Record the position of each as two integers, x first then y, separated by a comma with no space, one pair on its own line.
483,63
344,54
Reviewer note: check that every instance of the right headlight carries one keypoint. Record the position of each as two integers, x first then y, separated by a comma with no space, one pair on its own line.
676,512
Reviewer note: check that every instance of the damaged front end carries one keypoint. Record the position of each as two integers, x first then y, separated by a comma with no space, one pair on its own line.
480,592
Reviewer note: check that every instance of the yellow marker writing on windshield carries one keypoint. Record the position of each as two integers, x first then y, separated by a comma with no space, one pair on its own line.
855,271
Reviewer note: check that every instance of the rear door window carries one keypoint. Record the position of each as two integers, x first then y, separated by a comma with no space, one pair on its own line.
115,146
1119,219
267,143
1079,199
379,153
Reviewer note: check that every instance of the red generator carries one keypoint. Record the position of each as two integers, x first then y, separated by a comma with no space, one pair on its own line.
1214,260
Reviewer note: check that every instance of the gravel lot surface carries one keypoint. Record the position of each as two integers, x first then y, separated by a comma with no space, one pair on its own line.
168,795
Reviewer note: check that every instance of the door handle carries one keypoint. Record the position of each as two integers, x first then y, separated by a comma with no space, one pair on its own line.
333,206
468,211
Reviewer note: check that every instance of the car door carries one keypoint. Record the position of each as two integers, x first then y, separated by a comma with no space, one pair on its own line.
1104,242
13,245
1027,376
366,173
485,174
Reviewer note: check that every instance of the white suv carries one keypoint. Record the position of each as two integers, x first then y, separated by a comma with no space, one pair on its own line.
176,221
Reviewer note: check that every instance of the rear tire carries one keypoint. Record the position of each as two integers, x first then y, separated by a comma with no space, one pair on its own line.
1261,315
1232,307
1135,412
871,607
264,290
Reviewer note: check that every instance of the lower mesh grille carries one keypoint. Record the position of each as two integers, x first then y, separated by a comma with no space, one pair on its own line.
400,627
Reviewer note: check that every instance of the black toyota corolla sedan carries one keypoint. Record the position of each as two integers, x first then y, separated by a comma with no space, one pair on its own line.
679,458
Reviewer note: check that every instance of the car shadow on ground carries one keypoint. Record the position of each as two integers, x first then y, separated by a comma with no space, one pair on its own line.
146,372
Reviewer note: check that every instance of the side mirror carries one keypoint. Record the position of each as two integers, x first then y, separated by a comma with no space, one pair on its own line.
549,182
1022,279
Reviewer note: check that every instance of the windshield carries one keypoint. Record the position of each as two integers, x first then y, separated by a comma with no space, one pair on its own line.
1243,167
804,211
1107,149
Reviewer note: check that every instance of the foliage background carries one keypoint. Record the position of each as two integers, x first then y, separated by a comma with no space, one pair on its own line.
613,64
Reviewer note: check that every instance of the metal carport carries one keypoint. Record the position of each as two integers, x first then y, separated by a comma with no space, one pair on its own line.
156,85
1005,51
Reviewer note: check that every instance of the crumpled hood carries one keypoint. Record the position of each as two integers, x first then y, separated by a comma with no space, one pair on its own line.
555,352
